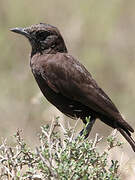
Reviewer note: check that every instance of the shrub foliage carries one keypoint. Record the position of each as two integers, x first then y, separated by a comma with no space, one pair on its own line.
66,158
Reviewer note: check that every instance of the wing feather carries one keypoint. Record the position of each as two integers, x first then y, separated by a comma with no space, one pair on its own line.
67,76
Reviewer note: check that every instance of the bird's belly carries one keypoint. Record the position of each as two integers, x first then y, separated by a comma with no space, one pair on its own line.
67,106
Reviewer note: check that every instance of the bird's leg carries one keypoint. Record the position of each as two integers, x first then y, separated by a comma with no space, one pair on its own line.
88,127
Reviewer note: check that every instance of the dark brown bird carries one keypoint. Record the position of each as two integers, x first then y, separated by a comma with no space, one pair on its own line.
67,84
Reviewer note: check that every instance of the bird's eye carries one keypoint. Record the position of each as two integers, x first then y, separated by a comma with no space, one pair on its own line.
42,35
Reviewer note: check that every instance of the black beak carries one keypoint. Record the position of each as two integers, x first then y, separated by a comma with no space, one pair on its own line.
21,31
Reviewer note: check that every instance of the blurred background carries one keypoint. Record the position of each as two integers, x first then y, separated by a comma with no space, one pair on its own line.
101,34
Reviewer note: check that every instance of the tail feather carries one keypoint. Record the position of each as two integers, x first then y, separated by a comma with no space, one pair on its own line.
128,138
121,123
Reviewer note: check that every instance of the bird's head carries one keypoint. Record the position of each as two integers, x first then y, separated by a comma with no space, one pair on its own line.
44,38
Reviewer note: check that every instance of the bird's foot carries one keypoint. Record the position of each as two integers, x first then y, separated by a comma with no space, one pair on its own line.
86,131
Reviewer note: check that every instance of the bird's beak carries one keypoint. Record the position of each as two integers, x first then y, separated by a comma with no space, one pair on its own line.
21,31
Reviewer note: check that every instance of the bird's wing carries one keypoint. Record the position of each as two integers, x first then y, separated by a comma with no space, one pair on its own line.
67,76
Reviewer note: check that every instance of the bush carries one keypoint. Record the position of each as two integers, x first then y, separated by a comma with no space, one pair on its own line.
71,158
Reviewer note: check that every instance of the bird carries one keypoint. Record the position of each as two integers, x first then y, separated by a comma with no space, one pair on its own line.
67,84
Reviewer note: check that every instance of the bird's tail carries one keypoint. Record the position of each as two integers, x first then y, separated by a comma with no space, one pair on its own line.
128,138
